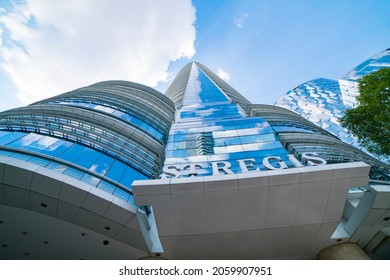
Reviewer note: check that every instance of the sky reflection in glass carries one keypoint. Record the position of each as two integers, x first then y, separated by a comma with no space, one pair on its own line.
74,155
210,128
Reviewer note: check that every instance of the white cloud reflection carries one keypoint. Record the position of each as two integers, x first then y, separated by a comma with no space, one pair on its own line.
239,22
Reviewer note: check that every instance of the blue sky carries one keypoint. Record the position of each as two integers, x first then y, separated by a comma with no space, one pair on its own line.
262,47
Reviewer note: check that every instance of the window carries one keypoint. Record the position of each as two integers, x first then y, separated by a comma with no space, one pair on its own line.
116,171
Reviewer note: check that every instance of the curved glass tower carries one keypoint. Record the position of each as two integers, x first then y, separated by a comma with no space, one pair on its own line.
349,82
81,152
324,101
211,126
215,123
106,135
244,180
117,170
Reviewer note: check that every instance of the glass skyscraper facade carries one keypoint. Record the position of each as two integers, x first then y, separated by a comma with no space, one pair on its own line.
217,134
348,82
124,170
324,101
213,125
320,101
210,127
103,135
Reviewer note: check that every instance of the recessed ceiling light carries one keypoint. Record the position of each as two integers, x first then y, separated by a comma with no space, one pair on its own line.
106,242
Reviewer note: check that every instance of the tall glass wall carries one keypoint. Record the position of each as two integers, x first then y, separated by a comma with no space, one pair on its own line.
324,101
106,135
320,102
211,128
348,83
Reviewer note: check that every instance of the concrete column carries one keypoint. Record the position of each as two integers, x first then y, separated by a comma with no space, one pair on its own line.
345,251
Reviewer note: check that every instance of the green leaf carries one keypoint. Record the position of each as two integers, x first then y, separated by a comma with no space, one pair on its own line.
370,121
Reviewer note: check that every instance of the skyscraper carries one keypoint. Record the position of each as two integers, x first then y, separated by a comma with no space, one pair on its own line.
348,82
324,101
118,170
72,159
218,197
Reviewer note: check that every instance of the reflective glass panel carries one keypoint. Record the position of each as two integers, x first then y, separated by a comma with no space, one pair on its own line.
73,153
128,176
87,158
57,148
12,136
116,171
102,164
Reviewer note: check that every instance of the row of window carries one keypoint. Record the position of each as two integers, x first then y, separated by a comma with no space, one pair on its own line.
136,121
78,174
77,154
88,135
229,150
233,156
107,97
134,102
221,131
215,124
219,112
220,142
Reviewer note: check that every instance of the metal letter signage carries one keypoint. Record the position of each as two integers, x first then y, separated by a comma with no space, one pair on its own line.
246,165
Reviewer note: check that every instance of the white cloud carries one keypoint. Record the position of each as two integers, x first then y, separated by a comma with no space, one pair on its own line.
239,22
223,75
63,45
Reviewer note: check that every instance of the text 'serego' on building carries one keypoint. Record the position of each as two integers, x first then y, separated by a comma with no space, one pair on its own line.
117,170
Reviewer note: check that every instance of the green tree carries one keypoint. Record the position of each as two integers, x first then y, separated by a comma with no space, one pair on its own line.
370,121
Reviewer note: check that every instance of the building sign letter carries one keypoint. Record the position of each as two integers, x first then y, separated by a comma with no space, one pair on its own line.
313,159
225,167
246,165
278,160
